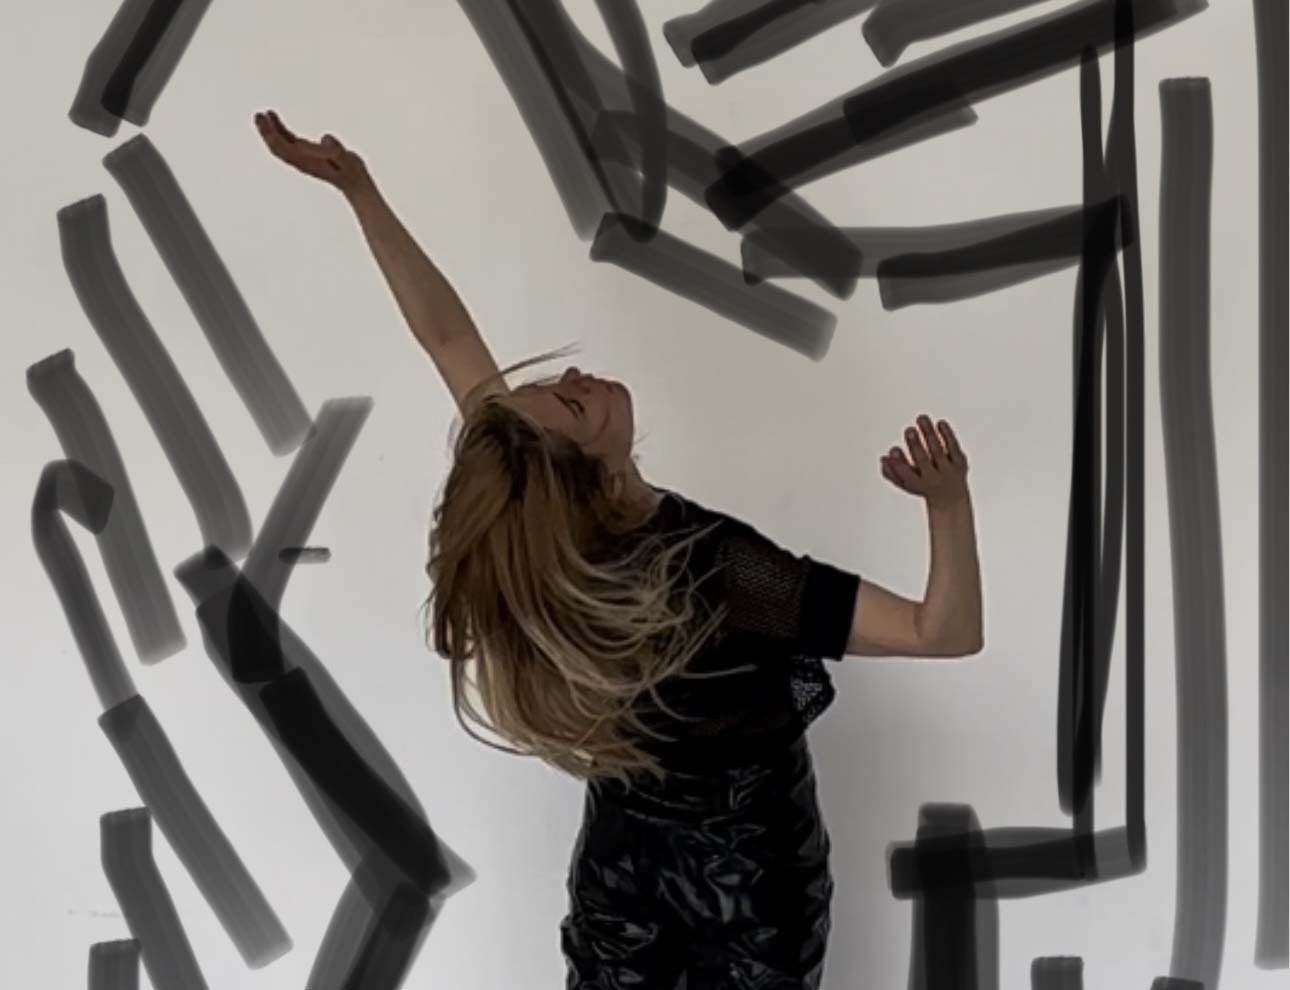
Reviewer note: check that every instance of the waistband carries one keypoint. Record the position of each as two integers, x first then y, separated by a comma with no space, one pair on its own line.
728,791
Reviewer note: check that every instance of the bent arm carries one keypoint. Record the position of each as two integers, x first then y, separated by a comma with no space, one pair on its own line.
948,621
952,610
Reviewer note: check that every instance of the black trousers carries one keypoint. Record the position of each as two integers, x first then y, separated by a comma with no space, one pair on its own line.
719,882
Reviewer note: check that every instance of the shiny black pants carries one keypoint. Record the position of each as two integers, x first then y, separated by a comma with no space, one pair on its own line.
713,883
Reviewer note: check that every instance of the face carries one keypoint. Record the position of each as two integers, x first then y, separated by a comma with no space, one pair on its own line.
593,412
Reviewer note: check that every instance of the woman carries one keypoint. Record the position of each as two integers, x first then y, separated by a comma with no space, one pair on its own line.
666,653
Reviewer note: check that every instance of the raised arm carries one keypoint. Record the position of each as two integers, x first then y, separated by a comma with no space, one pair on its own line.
434,313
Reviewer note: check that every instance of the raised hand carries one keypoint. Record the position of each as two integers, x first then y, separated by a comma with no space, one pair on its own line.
938,472
327,159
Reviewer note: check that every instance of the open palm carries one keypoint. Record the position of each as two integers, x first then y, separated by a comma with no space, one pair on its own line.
327,159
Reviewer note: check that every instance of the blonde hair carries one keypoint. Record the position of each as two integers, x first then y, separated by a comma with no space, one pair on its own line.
531,586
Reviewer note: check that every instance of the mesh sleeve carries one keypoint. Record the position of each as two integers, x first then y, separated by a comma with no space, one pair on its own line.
801,605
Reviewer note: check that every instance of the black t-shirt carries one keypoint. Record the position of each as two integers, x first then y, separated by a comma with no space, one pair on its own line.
786,613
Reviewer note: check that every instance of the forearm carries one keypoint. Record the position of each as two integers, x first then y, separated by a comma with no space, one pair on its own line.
429,304
952,609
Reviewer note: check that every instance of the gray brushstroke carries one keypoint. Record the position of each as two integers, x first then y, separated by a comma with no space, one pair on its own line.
126,850
1057,973
1272,938
728,36
971,72
894,25
1191,476
304,555
300,500
132,62
943,262
160,390
190,828
114,965
208,577
128,556
606,102
826,254
719,287
217,304
70,487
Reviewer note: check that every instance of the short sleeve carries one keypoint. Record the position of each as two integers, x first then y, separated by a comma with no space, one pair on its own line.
802,605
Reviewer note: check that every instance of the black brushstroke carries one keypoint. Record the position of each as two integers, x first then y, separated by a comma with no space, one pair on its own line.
304,555
956,859
288,690
824,253
348,792
894,25
69,487
132,62
974,70
1272,938
728,36
1088,618
128,556
993,262
717,286
1128,469
126,846
139,740
602,120
192,832
631,41
114,965
163,396
217,304
943,262
1195,540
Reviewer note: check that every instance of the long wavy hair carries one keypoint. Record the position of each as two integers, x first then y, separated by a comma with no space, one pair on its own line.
539,589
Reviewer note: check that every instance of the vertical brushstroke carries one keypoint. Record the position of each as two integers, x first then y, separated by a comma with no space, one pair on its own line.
1196,548
128,557
631,41
126,845
728,36
1122,170
190,828
955,941
1272,937
217,304
69,487
114,965
145,365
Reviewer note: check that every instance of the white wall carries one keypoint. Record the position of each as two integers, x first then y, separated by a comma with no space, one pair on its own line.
730,418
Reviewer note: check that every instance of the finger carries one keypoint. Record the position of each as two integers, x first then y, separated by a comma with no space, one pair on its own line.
951,442
931,441
889,472
905,474
916,451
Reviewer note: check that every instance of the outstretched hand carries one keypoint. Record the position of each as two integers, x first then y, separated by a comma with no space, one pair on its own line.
327,159
939,469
